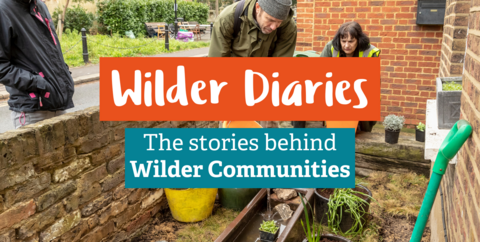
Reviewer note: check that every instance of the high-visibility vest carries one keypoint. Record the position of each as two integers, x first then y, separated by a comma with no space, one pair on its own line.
367,53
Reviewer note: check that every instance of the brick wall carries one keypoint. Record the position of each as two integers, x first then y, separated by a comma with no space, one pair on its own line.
455,31
410,53
63,180
463,210
461,180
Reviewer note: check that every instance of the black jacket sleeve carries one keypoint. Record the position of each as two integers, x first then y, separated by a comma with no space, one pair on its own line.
11,75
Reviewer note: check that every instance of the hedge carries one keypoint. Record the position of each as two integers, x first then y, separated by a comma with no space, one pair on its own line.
124,15
76,18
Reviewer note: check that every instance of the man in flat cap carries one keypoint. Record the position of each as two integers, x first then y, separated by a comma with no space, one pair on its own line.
255,28
264,28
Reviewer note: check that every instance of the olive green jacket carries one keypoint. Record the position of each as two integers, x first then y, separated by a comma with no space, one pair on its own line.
250,41
327,51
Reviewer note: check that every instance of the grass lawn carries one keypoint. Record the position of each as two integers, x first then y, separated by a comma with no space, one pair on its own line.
72,48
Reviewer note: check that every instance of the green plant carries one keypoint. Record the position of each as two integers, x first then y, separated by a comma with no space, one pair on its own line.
97,47
269,227
76,18
393,122
313,234
345,200
65,12
421,127
451,86
121,16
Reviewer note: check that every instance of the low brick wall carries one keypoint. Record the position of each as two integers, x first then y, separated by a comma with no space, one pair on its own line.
63,180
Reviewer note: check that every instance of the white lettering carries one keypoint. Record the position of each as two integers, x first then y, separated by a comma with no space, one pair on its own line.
141,168
180,86
136,95
215,90
249,95
196,92
339,92
361,96
150,140
296,97
210,169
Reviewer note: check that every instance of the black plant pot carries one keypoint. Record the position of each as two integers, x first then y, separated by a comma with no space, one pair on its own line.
267,237
321,210
332,237
367,126
391,137
419,135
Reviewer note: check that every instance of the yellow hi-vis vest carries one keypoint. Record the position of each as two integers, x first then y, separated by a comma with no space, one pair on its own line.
367,53
372,50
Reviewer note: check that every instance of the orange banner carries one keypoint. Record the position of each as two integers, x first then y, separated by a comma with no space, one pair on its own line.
267,89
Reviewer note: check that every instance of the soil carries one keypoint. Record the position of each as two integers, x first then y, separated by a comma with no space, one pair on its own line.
163,227
329,191
325,192
328,240
399,229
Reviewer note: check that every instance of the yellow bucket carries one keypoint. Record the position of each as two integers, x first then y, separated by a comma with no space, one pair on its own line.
191,205
342,124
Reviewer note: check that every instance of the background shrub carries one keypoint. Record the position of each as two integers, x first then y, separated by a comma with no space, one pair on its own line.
76,18
125,15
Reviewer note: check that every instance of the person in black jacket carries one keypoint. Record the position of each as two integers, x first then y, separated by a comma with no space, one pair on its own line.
32,67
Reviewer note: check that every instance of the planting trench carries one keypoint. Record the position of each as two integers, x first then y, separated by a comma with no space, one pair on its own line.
392,219
398,197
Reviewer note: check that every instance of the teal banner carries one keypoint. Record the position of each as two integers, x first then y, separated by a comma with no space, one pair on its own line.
239,158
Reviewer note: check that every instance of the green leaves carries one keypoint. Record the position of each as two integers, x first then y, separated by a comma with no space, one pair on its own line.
121,16
345,200
76,18
421,126
312,235
269,227
451,86
393,122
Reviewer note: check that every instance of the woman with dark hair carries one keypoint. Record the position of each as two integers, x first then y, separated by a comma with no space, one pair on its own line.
350,41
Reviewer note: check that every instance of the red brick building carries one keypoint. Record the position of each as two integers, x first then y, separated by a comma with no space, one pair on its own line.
412,57
461,183
410,53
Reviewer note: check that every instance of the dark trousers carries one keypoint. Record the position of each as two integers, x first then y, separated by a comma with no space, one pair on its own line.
299,124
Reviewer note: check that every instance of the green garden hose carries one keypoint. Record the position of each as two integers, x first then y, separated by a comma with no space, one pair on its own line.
449,148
